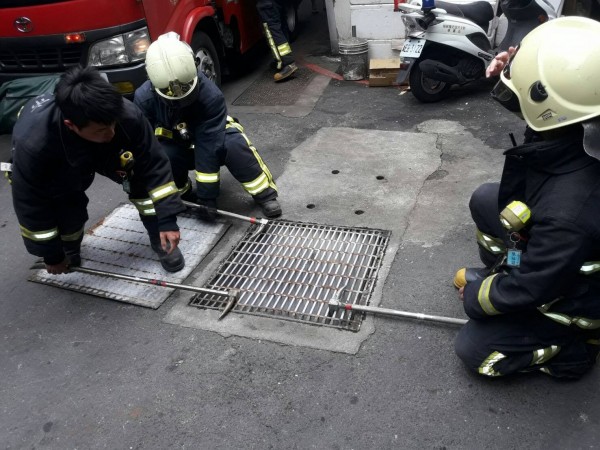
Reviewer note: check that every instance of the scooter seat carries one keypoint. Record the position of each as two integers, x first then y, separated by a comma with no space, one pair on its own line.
480,12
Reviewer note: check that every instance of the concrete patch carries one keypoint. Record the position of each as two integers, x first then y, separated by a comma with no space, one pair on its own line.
345,177
120,244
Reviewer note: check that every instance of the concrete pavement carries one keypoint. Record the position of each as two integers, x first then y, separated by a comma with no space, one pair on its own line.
82,372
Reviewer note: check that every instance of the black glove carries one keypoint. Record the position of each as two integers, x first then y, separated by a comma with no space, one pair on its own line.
207,209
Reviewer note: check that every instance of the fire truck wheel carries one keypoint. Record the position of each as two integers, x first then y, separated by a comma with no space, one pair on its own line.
207,56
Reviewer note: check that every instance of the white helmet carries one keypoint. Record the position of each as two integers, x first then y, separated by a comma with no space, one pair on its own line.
553,78
171,67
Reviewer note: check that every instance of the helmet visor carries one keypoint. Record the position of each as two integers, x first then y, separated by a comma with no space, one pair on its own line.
189,95
176,89
506,97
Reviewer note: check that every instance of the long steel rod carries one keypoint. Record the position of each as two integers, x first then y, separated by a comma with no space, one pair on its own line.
335,305
151,281
227,213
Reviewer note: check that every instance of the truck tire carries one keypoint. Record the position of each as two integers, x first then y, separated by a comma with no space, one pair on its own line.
425,89
208,59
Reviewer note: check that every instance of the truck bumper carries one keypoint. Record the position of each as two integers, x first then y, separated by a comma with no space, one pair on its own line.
125,79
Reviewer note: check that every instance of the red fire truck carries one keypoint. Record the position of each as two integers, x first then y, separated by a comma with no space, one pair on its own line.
42,37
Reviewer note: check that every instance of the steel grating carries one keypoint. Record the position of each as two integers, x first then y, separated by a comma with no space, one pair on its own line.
263,92
291,270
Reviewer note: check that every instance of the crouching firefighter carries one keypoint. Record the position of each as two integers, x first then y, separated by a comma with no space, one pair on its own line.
60,141
190,118
536,304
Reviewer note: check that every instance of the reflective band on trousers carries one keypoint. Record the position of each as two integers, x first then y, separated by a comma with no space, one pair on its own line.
163,191
491,244
484,296
207,177
257,185
39,236
284,49
72,237
590,267
563,319
145,206
266,172
487,367
544,354
231,123
271,42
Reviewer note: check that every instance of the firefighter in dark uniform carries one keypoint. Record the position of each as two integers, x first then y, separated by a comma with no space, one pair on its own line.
276,32
536,305
60,141
189,114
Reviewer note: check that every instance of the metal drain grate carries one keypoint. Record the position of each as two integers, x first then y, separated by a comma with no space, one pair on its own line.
291,270
264,92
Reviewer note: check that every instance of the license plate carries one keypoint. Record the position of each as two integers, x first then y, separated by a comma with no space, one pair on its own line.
412,48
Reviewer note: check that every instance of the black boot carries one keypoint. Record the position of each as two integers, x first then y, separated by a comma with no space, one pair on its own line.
270,208
73,252
74,259
172,262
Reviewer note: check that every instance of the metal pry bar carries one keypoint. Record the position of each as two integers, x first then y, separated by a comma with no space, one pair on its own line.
234,294
263,222
154,282
335,304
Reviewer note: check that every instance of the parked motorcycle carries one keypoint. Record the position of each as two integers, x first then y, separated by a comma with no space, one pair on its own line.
450,43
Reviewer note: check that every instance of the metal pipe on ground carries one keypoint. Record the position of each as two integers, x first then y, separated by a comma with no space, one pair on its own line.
263,222
335,304
232,295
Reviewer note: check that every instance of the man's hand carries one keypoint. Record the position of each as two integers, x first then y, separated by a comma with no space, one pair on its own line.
61,267
169,240
499,62
461,294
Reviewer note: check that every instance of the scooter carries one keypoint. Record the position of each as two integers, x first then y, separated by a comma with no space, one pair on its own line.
450,43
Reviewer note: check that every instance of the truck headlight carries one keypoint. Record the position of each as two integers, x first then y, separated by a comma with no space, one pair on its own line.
120,49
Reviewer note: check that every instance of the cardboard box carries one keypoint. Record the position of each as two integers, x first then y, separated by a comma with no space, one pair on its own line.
383,72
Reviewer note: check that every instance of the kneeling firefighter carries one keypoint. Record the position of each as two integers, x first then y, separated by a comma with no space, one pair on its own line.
190,118
536,304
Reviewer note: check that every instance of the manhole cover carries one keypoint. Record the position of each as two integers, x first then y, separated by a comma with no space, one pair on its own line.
265,92
291,270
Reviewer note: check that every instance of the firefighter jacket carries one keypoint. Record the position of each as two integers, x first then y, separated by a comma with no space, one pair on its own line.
205,120
52,165
561,185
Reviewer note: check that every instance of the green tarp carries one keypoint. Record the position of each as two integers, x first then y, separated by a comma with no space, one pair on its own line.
14,94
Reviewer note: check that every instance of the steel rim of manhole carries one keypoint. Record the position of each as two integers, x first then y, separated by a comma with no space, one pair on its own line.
291,270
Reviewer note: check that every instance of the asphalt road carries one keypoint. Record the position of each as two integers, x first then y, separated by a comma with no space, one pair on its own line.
80,372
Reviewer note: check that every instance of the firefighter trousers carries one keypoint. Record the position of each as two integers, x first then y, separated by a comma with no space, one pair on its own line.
275,30
525,341
71,215
237,154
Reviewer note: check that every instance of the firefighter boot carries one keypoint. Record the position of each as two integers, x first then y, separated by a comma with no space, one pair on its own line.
467,275
270,208
286,72
209,210
72,251
172,262
74,258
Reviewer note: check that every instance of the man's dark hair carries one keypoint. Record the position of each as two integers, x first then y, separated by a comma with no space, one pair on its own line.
84,96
